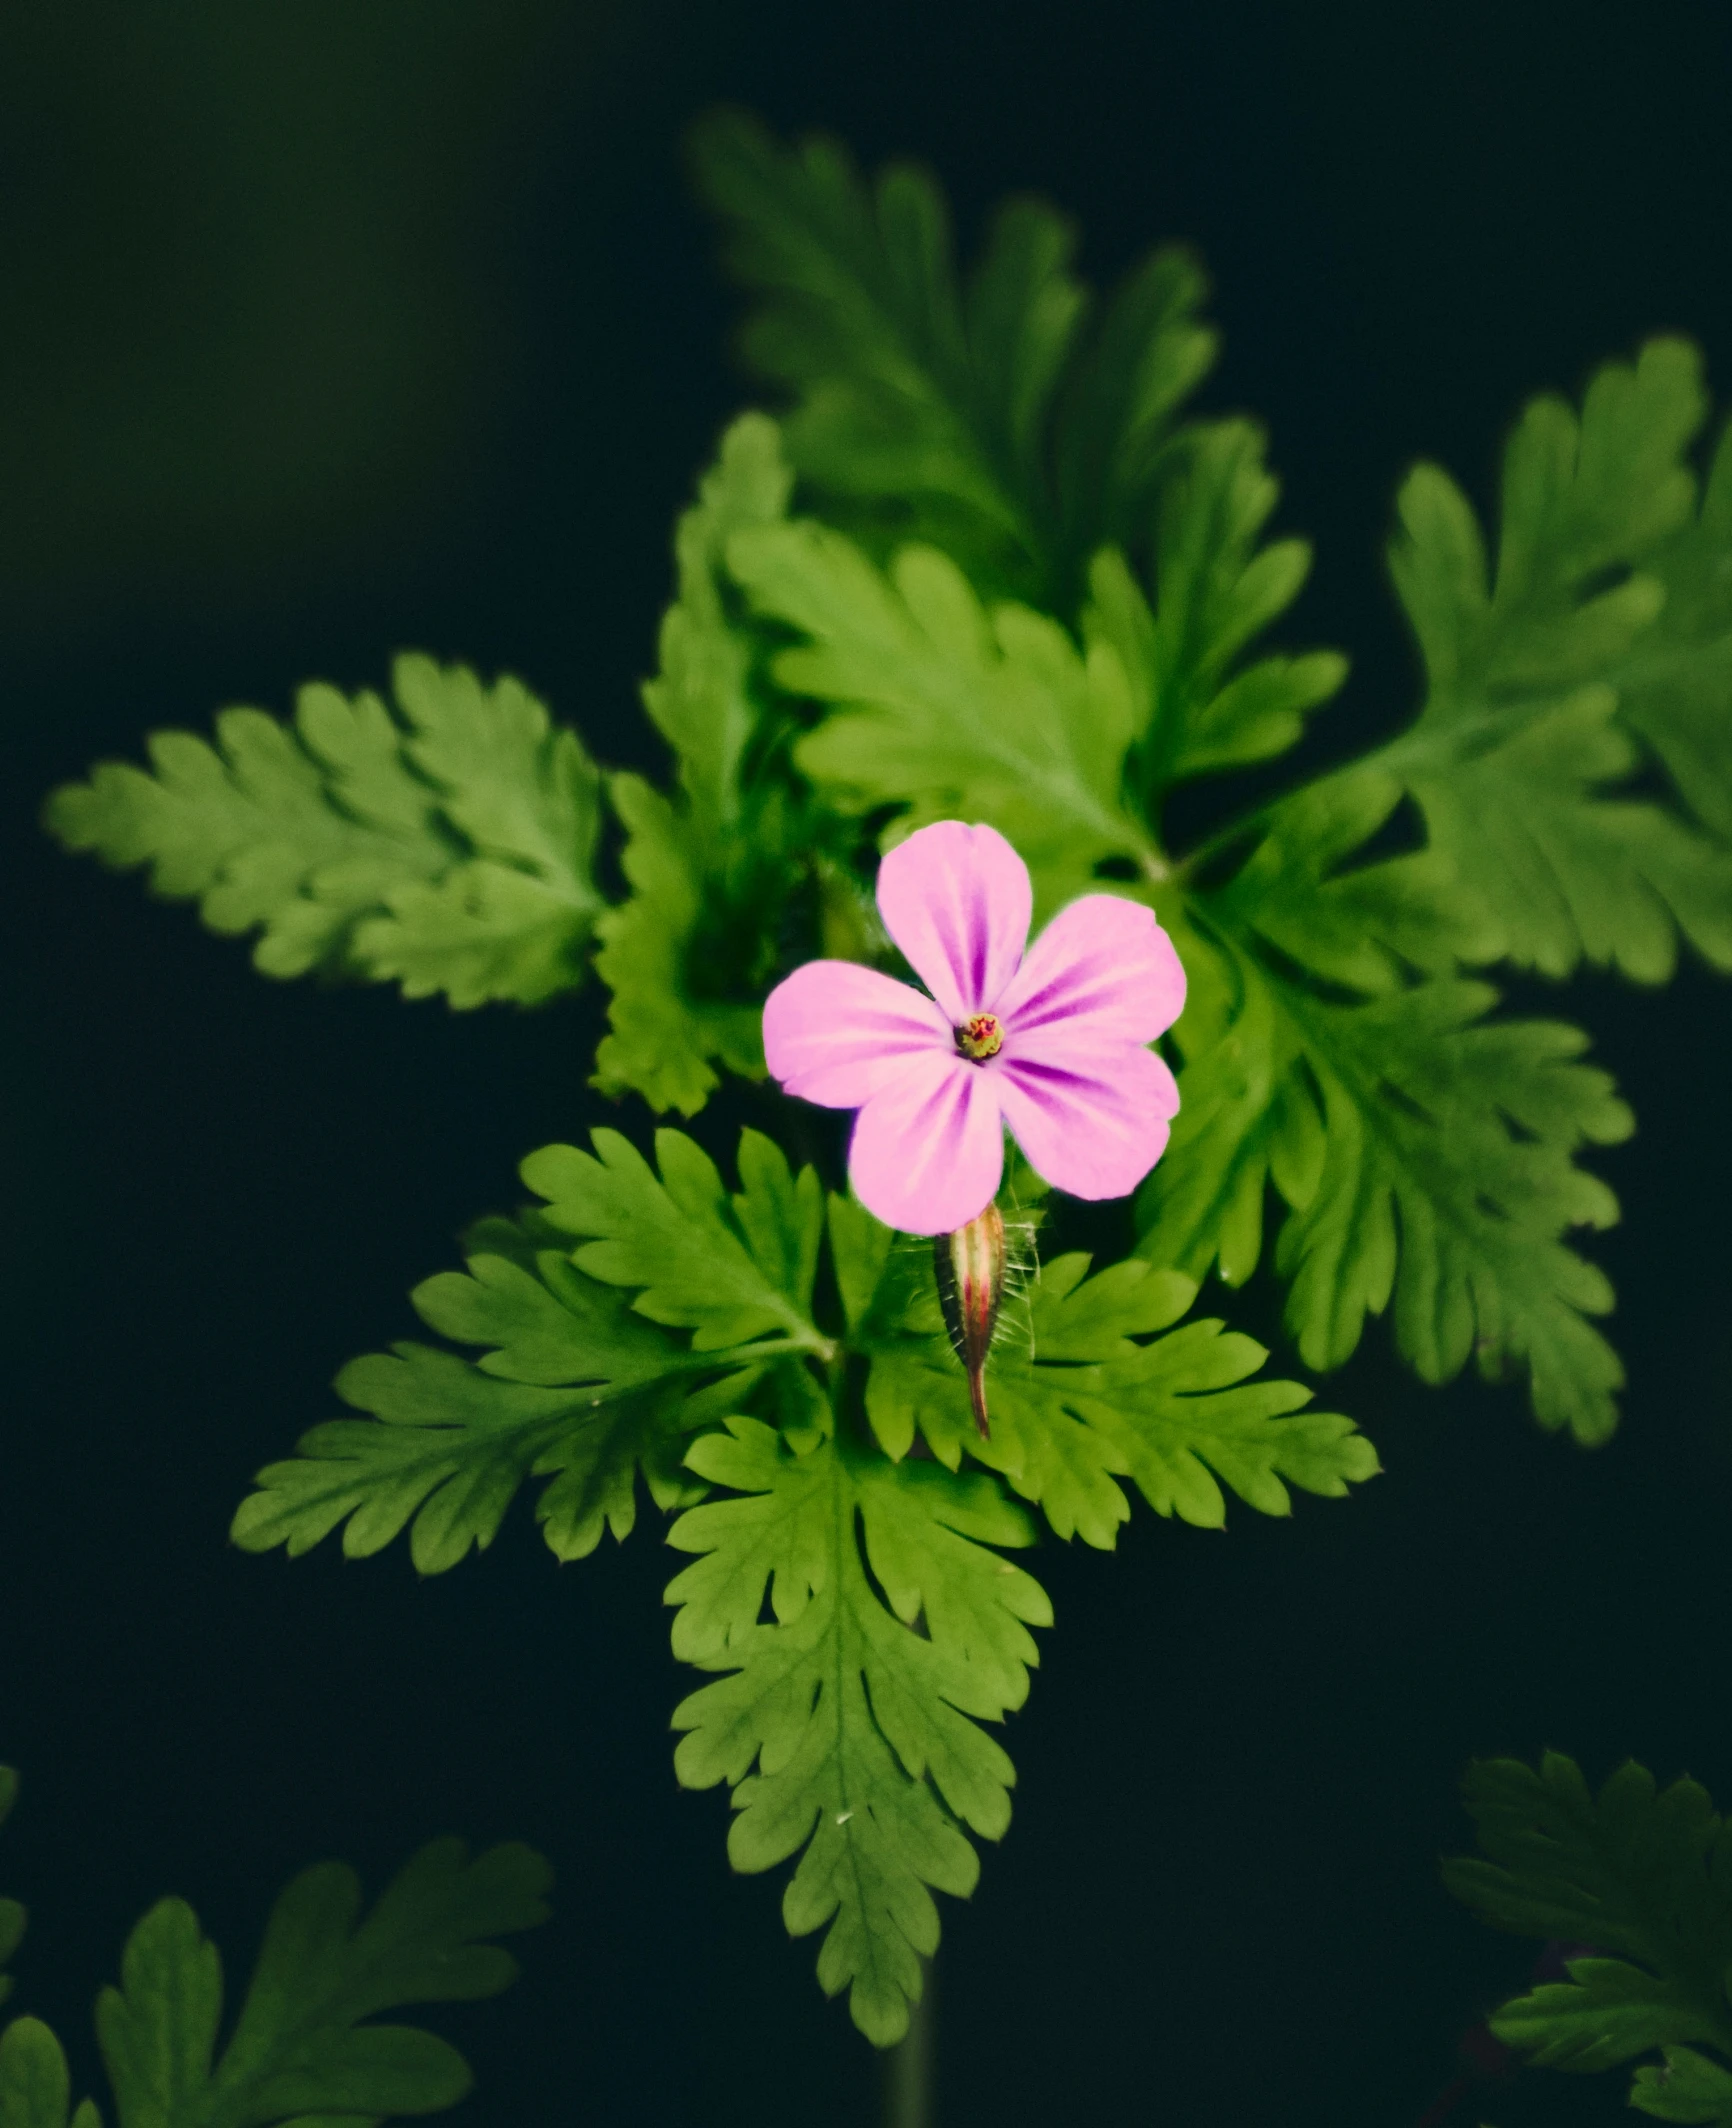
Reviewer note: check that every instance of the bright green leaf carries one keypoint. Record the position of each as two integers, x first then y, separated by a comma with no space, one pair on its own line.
728,1268
967,714
848,1730
581,1384
578,1390
1216,590
1425,1154
691,952
1083,1391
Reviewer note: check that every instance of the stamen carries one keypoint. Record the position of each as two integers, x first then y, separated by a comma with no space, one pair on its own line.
981,1037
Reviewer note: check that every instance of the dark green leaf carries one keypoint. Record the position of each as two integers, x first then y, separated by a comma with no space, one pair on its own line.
299,2047
1642,1875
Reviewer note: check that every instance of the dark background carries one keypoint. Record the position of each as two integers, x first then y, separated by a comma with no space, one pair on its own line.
337,329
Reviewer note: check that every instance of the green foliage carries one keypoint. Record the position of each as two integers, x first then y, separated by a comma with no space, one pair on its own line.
1425,1155
1078,1399
446,845
35,2083
581,1383
857,1709
302,2048
691,952
944,706
1029,590
1639,1880
1216,589
679,1336
1521,731
985,418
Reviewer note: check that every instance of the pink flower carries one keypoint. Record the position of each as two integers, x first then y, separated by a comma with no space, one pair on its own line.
1051,1043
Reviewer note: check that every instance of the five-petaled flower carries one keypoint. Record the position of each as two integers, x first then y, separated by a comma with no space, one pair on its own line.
1051,1042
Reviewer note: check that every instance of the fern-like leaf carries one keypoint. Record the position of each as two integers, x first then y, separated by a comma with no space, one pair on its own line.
943,705
981,416
582,1383
1538,682
302,2047
690,953
848,1728
445,844
1639,1881
1084,1391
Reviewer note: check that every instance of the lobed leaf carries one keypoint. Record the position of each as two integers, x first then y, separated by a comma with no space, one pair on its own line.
729,1268
583,1382
938,703
35,2084
300,2047
1525,735
1216,589
980,415
1425,1155
690,953
848,1728
1083,1391
1638,1871
446,845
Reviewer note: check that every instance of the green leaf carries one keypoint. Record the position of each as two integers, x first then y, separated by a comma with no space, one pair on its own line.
1637,1871
663,1041
446,845
1689,2087
300,2047
1424,1152
1115,432
848,1728
1676,680
728,1268
35,2088
1515,759
980,416
1082,1392
961,712
581,1384
1216,589
690,954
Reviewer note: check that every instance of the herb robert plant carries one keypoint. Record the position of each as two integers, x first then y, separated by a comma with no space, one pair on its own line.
982,589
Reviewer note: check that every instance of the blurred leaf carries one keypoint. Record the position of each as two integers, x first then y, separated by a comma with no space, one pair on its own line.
447,846
1637,1870
300,2047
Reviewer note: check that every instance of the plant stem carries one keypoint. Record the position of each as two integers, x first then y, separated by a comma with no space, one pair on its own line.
908,2093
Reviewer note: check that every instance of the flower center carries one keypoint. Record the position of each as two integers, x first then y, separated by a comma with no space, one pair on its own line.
980,1037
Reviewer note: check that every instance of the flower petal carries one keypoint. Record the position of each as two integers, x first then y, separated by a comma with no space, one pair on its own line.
1093,1130
1104,970
929,1150
957,900
835,1033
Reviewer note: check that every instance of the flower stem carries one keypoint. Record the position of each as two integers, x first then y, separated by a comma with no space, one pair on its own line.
908,2093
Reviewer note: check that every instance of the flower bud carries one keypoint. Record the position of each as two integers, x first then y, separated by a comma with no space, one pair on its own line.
969,1264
